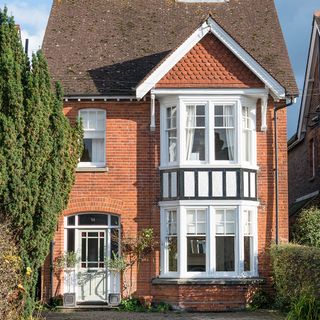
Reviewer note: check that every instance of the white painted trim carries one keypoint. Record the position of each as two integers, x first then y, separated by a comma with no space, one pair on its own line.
202,1
153,112
209,25
307,76
307,196
209,92
98,98
224,202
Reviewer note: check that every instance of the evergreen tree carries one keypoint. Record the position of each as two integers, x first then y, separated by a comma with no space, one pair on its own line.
39,151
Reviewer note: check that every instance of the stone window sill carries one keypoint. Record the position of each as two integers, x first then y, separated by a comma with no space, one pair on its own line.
92,169
208,281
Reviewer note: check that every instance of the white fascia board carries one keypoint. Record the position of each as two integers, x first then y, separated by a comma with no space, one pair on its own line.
229,42
171,61
246,58
183,91
307,76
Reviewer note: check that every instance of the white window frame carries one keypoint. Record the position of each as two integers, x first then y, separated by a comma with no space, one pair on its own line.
95,164
210,102
210,242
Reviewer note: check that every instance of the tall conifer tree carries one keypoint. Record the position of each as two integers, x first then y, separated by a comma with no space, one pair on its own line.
39,151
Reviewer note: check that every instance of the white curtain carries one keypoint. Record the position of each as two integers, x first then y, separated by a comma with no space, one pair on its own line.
190,126
229,132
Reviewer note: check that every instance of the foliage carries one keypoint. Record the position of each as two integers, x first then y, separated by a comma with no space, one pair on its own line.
65,261
306,307
260,300
11,273
131,304
39,151
116,263
134,250
135,305
296,272
307,227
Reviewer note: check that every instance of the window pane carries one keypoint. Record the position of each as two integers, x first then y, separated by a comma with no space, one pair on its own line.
218,110
101,254
172,254
230,228
97,150
101,120
247,253
114,242
93,219
201,228
71,221
224,144
87,151
196,254
92,119
225,254
92,249
114,220
70,240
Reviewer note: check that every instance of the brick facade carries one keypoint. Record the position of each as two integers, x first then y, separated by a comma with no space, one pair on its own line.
131,186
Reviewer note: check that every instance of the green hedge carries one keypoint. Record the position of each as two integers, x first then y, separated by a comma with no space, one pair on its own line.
296,271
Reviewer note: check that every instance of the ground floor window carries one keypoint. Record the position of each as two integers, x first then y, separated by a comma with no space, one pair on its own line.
209,241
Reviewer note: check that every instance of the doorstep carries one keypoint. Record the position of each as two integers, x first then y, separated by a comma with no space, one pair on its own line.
86,307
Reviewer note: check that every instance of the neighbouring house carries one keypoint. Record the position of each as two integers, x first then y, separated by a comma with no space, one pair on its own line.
304,146
177,101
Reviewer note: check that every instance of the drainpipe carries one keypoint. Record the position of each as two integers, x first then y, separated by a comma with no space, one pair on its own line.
276,108
51,267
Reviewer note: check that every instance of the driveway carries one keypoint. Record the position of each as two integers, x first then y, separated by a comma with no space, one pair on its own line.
116,315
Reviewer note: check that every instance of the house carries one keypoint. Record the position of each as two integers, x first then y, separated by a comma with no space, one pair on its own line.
177,100
303,147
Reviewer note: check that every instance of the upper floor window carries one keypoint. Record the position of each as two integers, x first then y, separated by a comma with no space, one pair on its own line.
214,131
171,132
94,138
247,134
195,132
224,132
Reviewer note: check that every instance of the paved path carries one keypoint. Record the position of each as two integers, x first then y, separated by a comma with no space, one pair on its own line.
116,315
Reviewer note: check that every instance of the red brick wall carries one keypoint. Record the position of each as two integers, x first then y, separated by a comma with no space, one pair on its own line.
209,64
131,187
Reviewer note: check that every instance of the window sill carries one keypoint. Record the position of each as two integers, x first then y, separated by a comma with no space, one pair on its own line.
92,169
208,281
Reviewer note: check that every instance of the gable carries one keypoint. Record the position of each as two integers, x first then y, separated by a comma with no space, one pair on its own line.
210,64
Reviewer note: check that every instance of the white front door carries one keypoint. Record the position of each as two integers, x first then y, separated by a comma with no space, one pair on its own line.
92,275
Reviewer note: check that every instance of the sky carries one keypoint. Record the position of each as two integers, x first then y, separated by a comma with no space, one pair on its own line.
295,18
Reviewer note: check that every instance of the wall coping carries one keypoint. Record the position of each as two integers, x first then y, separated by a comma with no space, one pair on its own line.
207,281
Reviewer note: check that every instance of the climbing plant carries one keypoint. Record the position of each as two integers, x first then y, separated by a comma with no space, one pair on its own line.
39,150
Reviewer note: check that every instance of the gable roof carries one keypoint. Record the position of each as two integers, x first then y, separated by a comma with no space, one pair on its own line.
107,47
314,52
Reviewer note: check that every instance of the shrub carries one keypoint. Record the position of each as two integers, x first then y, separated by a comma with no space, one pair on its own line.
260,300
306,230
307,307
296,272
11,289
131,304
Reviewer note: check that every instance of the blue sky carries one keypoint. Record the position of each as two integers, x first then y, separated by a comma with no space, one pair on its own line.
295,18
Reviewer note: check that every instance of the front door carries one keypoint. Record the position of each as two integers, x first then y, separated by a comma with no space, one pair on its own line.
92,275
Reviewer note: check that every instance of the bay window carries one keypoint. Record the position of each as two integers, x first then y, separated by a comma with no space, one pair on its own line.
204,242
94,138
213,131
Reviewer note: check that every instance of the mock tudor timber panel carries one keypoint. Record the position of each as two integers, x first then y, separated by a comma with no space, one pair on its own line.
204,184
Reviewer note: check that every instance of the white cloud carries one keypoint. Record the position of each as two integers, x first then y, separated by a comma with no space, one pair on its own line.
32,20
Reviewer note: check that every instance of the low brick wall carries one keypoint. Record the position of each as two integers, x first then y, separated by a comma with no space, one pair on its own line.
204,297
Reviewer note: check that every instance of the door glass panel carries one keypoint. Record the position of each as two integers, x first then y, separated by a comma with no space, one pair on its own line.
114,242
92,249
114,220
83,248
71,221
101,249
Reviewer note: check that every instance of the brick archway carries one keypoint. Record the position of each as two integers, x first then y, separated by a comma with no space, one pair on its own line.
97,204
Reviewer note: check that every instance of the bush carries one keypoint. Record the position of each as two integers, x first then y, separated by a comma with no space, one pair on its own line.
11,289
260,300
306,230
307,307
296,272
131,304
